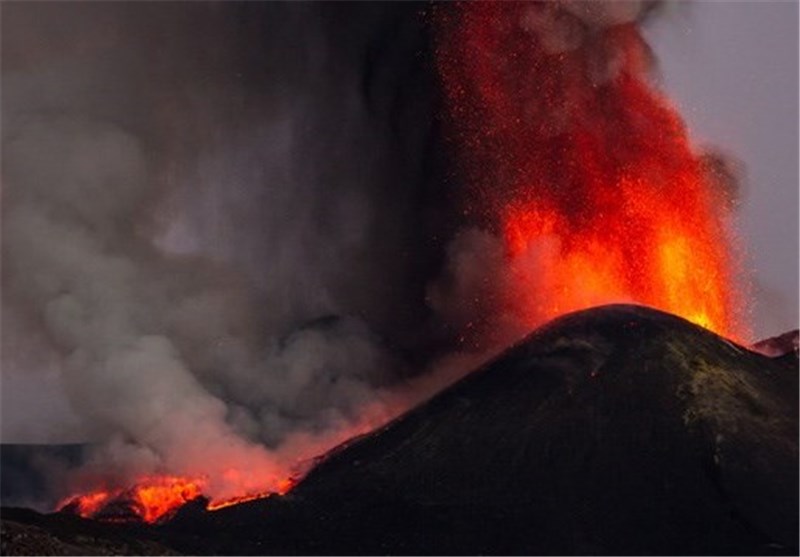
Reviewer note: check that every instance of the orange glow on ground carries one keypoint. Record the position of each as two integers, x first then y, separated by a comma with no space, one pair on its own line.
89,504
149,500
161,496
154,499
282,487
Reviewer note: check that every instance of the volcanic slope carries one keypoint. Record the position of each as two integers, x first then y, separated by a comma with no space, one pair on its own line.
616,430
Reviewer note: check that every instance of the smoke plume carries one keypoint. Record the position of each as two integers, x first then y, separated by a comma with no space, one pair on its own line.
210,225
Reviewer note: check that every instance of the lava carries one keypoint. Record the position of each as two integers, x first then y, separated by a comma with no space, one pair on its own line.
582,167
149,500
282,487
153,499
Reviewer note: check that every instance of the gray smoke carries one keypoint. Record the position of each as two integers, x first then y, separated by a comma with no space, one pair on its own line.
205,232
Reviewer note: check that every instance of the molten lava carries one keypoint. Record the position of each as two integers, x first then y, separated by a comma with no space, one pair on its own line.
149,500
153,499
581,166
281,488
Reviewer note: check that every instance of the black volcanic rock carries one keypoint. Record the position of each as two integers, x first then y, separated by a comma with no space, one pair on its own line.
26,532
617,430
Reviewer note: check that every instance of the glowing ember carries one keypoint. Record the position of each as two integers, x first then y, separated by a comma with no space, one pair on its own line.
153,499
583,168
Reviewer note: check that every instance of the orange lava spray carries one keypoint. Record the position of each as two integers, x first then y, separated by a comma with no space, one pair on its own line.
580,165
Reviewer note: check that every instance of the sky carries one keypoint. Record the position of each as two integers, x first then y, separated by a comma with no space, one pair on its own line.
732,69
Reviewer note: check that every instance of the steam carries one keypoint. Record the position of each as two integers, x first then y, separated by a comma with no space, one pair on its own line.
213,305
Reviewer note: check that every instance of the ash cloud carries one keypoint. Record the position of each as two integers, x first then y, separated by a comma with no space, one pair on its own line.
211,222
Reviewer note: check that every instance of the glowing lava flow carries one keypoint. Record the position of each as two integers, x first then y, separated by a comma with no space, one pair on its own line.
581,166
149,500
152,499
155,498
282,488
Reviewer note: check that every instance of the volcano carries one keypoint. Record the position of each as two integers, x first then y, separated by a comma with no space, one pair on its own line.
614,430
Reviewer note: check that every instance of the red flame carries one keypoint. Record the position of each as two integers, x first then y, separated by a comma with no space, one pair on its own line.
584,169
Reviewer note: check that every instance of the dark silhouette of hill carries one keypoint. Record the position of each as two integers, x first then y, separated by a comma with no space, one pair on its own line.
616,430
